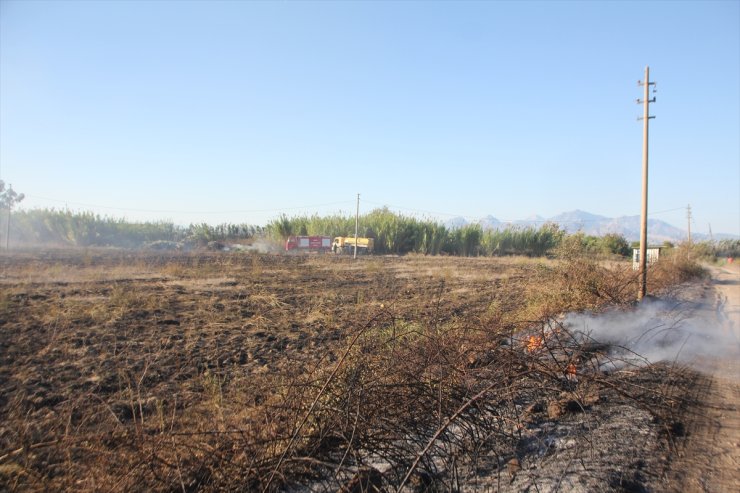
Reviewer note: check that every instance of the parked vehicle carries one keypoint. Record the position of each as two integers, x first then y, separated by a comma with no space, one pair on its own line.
346,244
308,243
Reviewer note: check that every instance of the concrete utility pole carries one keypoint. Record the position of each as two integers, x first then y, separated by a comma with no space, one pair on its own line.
688,221
688,224
643,216
357,223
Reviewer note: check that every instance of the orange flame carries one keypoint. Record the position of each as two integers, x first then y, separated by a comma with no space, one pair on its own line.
535,343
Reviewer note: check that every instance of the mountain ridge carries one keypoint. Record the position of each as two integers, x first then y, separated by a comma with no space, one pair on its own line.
594,225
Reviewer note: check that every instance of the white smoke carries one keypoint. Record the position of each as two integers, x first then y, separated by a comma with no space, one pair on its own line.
658,330
258,246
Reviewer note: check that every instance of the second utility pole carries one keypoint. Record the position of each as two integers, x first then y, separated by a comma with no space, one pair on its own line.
357,223
643,216
688,223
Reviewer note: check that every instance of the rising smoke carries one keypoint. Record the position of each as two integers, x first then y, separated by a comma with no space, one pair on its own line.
659,330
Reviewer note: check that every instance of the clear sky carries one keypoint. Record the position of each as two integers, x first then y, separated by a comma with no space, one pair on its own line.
238,111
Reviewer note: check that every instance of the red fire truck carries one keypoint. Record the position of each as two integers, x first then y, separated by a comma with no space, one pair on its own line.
308,243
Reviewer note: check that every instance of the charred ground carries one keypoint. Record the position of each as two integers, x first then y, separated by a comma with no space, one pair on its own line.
246,372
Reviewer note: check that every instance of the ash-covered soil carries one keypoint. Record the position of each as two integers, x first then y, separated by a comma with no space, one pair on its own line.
612,442
125,371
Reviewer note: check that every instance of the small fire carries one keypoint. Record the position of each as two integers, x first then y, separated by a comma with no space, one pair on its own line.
571,372
535,343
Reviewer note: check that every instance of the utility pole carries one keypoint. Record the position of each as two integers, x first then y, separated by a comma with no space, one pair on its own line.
688,222
643,216
357,223
688,226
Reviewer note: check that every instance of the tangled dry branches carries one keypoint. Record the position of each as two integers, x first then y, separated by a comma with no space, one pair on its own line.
424,397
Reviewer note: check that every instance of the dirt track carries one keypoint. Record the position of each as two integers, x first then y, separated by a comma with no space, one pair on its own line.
711,460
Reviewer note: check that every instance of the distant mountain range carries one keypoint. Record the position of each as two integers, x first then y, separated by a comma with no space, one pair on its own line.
595,225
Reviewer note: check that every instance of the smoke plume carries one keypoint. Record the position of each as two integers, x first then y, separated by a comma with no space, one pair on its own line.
660,330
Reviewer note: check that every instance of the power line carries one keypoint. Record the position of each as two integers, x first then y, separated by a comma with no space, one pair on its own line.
473,217
667,210
467,217
176,211
421,211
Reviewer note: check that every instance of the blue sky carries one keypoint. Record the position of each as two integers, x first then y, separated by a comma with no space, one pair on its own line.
240,111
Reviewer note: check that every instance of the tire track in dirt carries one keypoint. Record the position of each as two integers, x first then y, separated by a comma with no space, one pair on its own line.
710,462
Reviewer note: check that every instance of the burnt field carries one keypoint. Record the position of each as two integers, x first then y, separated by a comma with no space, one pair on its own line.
128,371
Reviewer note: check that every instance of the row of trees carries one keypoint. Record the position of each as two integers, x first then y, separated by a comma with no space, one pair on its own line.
399,234
717,249
9,198
394,234
51,227
726,248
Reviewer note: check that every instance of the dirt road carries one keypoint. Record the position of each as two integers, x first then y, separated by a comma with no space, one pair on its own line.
711,460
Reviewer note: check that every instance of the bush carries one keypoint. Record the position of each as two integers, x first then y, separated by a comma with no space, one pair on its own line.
727,248
615,244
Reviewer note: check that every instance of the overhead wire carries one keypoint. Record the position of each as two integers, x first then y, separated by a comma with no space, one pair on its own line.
179,211
467,217
471,217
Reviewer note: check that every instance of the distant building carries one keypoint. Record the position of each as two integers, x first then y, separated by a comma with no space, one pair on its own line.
653,254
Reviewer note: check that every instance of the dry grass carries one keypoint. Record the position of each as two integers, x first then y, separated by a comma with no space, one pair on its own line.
246,372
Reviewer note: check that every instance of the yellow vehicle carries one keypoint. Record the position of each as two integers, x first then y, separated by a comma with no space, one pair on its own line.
346,244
